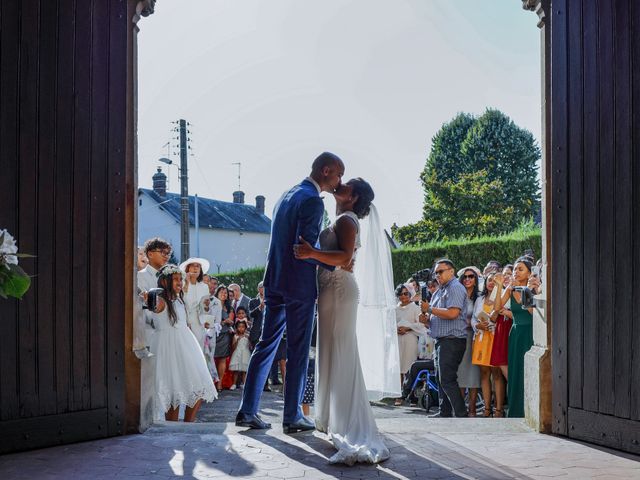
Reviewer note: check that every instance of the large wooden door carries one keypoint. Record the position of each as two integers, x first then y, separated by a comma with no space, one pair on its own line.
595,183
65,183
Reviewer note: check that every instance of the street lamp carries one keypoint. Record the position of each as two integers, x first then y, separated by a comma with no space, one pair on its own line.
169,162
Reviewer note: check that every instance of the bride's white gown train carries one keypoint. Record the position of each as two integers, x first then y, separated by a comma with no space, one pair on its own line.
341,403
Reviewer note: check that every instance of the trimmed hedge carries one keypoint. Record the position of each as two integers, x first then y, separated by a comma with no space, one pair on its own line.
408,260
247,279
477,251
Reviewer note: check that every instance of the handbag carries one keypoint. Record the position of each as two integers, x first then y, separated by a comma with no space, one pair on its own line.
482,347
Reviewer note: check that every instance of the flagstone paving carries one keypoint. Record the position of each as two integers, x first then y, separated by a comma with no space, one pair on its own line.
421,448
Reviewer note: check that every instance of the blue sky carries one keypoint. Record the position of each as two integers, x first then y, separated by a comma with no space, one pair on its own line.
271,84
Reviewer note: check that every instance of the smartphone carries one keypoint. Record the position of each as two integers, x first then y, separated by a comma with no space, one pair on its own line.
424,290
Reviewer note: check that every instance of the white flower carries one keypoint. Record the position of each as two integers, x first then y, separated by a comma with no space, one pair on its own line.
8,248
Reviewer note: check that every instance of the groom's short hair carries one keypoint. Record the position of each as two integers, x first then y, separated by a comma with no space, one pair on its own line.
325,159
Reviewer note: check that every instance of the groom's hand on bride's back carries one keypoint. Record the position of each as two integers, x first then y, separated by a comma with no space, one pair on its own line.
349,266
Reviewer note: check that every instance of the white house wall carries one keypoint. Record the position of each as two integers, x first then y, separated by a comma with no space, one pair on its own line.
229,251
226,250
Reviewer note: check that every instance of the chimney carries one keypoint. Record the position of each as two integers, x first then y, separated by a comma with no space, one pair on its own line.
238,197
160,183
260,204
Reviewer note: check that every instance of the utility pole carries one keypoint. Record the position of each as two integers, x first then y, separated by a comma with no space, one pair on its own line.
184,193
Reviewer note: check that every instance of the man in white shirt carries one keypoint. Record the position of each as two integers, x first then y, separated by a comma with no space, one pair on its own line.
158,251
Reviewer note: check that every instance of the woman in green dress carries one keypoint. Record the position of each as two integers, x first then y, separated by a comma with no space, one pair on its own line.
520,337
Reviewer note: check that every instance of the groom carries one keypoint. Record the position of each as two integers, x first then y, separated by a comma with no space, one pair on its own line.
290,296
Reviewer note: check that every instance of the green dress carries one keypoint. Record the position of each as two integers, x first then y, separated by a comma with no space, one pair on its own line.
520,341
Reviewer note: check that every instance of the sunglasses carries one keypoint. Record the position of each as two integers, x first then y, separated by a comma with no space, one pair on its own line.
440,272
166,253
402,294
467,277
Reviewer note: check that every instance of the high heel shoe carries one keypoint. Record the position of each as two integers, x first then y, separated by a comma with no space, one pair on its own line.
498,413
487,413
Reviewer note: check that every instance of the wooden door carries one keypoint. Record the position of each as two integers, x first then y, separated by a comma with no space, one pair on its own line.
595,158
65,186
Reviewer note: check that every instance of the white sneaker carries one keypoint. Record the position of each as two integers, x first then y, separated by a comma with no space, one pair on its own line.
232,387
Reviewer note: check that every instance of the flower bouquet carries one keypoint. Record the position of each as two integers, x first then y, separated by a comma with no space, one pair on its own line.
14,282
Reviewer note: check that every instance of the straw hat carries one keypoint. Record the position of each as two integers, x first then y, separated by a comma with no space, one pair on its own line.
204,264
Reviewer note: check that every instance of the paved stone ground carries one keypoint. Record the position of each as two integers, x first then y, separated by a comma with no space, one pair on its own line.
420,448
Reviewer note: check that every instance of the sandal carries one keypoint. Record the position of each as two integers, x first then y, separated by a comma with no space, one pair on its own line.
399,402
498,413
487,413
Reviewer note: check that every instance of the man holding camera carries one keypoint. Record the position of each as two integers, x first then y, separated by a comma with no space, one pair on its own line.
448,327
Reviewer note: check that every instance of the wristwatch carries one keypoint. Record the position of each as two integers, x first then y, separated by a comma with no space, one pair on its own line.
429,310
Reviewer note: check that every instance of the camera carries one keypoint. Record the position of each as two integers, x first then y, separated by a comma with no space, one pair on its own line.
423,275
152,299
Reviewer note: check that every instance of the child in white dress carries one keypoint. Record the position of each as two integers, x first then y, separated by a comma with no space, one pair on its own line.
182,376
241,353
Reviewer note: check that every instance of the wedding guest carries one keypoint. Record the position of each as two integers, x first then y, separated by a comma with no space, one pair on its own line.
158,252
143,261
223,341
409,328
468,373
492,266
416,290
520,336
241,353
239,299
487,324
195,292
181,374
447,319
256,313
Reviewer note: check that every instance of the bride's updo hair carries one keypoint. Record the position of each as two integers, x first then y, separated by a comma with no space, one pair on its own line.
365,194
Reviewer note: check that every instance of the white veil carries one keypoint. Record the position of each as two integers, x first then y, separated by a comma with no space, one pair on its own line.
376,324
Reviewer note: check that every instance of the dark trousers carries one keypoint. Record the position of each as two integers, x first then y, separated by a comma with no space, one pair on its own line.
297,317
449,353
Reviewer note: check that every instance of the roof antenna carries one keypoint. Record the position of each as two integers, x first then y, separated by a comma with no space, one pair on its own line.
238,164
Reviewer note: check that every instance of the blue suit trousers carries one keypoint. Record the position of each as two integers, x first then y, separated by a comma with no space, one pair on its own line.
297,316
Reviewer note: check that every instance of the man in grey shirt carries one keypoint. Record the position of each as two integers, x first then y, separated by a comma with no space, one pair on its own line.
448,328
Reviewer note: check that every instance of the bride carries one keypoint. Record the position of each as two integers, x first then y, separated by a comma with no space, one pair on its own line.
341,403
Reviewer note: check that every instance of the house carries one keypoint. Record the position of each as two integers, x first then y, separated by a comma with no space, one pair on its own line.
232,235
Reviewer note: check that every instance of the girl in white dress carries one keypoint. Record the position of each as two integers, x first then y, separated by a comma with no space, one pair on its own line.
241,352
182,377
341,402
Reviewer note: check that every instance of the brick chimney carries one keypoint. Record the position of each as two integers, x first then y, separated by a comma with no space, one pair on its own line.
260,204
238,197
160,183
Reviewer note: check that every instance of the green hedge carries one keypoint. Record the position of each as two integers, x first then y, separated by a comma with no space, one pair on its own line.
408,260
462,253
247,279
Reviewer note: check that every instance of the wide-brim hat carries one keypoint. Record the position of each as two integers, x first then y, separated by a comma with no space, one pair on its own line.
204,264
475,269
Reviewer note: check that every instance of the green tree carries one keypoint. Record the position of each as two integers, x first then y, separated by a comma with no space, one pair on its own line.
471,206
480,178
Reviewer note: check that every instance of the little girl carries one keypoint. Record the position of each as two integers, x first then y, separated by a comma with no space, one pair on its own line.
182,377
241,353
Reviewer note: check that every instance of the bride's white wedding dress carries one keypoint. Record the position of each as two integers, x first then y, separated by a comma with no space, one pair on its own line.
341,403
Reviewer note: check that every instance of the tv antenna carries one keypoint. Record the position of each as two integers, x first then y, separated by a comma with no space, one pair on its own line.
239,164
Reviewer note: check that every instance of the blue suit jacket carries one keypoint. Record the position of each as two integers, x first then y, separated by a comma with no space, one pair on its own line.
298,213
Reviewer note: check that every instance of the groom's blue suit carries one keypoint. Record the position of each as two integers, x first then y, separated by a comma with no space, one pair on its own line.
290,296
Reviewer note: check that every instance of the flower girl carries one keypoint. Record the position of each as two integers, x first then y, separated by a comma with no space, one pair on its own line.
240,357
182,377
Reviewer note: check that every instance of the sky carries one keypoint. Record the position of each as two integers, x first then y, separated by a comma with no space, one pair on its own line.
271,84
